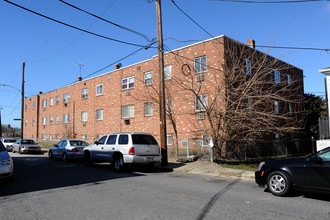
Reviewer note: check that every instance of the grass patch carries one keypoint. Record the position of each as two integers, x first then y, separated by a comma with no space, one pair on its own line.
241,166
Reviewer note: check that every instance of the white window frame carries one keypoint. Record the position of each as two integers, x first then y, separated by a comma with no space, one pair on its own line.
168,72
44,137
201,102
33,121
57,119
66,118
84,116
169,139
248,68
34,105
44,120
200,64
148,109
57,100
25,122
130,83
99,90
277,107
276,76
127,111
51,120
99,114
50,137
203,141
57,137
51,101
44,103
84,137
66,98
26,107
148,78
289,79
84,93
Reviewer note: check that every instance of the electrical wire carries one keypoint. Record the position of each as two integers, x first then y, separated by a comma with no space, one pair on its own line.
295,48
110,22
71,26
270,2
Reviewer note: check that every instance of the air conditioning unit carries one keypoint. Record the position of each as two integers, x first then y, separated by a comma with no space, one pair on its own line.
65,104
201,116
127,121
127,93
200,78
84,124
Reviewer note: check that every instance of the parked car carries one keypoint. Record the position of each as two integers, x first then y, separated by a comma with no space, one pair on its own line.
26,145
68,149
8,143
305,173
6,163
121,149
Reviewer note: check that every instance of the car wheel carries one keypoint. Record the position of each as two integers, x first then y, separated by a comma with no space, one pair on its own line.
87,159
118,163
50,155
65,157
279,183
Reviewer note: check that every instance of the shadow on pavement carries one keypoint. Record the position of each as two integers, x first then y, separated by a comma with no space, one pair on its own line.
35,173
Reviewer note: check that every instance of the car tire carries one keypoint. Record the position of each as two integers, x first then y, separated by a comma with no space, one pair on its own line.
87,159
50,155
279,183
118,163
65,157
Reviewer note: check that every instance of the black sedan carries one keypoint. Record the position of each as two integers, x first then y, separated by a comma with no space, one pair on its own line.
306,173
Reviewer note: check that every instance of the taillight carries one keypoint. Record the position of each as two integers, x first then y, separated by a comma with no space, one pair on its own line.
74,150
131,151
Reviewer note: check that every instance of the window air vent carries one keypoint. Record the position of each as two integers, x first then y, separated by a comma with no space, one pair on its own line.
84,124
127,92
201,116
200,78
127,121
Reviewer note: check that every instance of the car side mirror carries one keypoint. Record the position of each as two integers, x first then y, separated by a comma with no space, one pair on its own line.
96,142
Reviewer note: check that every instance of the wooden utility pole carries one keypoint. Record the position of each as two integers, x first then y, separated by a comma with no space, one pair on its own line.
162,112
22,106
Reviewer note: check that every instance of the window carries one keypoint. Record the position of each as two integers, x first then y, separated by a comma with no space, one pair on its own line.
51,102
127,83
33,121
57,119
99,114
168,106
102,140
26,122
57,137
148,78
123,139
84,137
84,93
289,79
44,137
84,116
44,120
169,139
249,103
112,139
200,64
57,100
201,102
44,103
127,111
34,105
50,137
148,109
275,77
66,118
97,137
51,119
66,97
277,107
248,69
26,107
290,109
33,136
202,140
168,72
99,89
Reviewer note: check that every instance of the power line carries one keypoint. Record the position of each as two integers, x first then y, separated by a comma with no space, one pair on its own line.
296,48
270,2
110,22
68,25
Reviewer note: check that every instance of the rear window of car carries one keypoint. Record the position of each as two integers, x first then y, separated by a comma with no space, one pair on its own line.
28,142
9,141
143,139
78,143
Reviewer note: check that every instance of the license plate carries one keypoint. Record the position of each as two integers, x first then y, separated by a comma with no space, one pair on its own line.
150,159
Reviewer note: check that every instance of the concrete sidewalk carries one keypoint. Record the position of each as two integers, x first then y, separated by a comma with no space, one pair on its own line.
207,168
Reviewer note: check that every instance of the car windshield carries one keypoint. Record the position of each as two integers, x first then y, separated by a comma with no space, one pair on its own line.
2,148
9,141
78,143
143,139
28,142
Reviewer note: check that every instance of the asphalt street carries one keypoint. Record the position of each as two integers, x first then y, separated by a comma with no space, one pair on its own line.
52,189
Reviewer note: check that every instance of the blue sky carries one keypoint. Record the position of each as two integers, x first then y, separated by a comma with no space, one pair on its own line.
52,51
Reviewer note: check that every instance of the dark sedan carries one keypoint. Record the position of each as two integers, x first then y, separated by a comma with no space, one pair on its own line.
306,173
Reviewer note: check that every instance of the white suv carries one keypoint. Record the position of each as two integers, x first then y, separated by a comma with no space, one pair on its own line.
121,149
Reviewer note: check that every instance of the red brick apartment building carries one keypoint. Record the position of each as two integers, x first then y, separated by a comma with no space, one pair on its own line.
126,99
